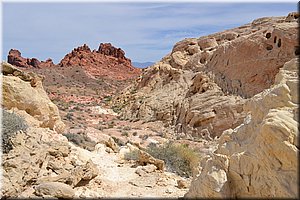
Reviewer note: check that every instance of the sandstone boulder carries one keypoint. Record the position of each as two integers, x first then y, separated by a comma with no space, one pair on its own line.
112,144
25,91
144,158
54,189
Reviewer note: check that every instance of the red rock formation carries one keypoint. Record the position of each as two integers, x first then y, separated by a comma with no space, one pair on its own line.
15,58
108,61
109,50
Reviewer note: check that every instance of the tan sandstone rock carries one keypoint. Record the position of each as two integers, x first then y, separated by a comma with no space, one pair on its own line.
25,92
259,157
144,158
200,87
55,189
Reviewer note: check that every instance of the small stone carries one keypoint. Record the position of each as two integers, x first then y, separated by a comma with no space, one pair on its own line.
181,184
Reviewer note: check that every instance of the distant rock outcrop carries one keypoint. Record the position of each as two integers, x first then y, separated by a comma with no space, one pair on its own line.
14,57
259,158
201,86
109,50
108,61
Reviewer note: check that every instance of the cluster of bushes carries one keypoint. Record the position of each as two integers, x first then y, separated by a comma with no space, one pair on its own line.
178,158
11,124
81,140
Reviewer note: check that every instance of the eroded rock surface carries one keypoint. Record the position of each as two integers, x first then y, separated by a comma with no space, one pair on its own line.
201,86
259,157
25,91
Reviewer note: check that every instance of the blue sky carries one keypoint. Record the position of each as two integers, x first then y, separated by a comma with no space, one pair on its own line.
146,31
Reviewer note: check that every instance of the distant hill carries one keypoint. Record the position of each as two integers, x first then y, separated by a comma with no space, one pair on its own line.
142,64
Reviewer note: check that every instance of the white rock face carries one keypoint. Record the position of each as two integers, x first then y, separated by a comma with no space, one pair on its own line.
258,158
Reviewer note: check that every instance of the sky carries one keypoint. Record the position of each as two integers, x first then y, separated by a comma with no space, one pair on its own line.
145,31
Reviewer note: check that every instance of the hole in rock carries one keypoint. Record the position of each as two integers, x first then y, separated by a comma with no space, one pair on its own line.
275,39
297,51
269,47
268,35
279,43
202,60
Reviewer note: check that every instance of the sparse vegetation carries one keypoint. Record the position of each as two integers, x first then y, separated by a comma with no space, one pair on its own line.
134,133
107,98
132,155
69,116
127,128
11,123
144,137
125,133
111,124
81,140
178,158
118,141
116,109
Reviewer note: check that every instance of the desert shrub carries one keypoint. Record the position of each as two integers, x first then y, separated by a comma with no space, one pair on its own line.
81,140
69,116
132,155
125,133
116,109
127,128
118,141
144,137
77,108
134,133
178,158
110,126
107,98
11,123
100,127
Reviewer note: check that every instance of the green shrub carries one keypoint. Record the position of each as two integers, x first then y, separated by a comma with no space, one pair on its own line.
69,115
107,98
118,141
11,123
81,140
125,133
178,158
100,127
110,126
127,128
132,155
144,137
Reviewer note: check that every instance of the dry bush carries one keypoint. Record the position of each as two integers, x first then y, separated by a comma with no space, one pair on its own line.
11,124
81,140
132,155
178,158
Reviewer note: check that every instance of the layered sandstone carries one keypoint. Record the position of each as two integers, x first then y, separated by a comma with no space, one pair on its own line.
201,86
259,158
108,62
